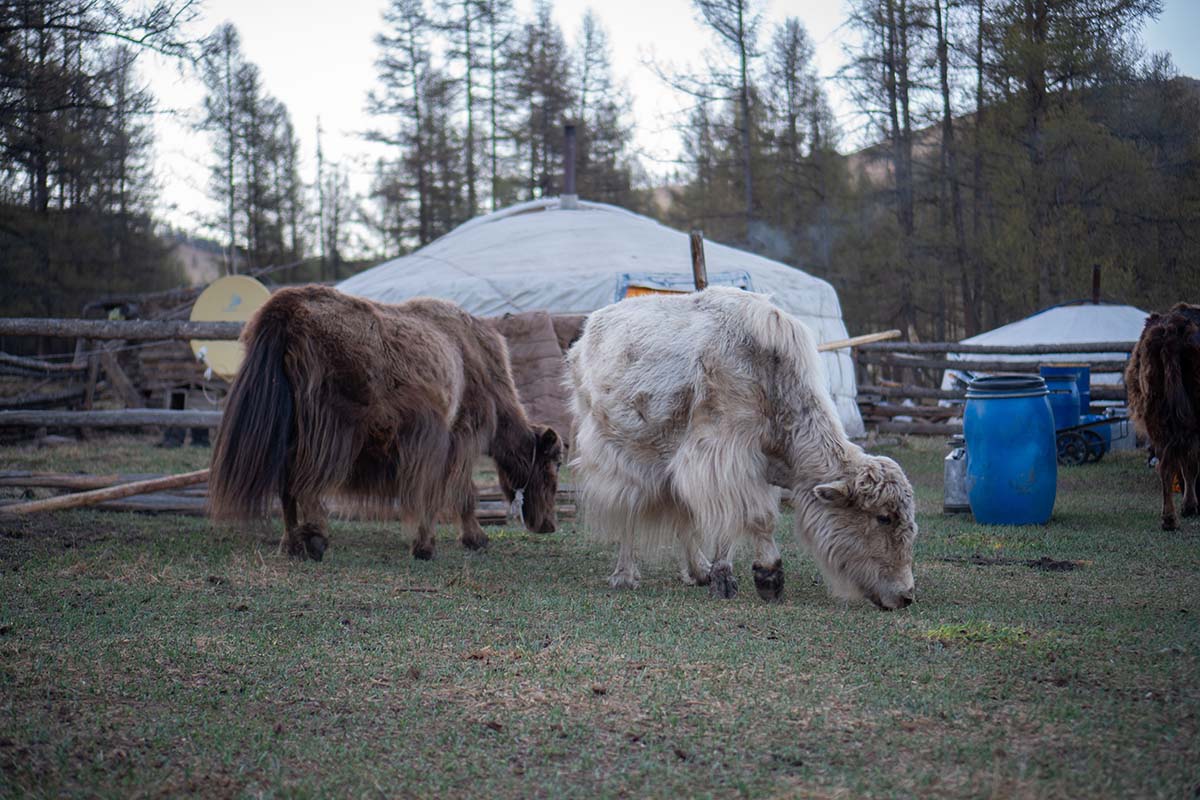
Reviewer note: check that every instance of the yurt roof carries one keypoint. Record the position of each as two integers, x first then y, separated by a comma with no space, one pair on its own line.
1064,325
539,255
1074,322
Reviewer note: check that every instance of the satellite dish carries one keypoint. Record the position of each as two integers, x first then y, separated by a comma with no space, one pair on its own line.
233,298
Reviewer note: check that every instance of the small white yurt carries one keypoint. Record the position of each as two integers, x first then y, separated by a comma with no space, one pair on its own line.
1083,321
542,256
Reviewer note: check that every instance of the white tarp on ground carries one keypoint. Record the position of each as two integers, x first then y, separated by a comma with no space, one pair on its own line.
1062,325
540,256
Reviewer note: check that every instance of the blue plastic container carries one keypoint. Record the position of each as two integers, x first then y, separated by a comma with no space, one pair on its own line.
1099,437
1083,379
1064,398
1012,466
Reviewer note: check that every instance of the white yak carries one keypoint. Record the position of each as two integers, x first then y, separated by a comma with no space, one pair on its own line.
691,410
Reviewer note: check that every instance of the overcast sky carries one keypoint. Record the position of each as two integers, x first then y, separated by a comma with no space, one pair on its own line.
318,58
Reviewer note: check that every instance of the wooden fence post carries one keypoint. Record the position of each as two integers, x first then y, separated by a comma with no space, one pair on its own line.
699,268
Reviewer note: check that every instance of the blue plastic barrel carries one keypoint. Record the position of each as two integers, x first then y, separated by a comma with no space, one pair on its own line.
1012,468
1083,379
1064,398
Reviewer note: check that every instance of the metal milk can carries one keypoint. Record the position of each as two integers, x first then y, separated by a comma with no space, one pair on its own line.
954,487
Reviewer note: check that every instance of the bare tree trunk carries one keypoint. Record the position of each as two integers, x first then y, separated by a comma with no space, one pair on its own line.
950,151
231,139
469,55
975,320
1035,93
744,100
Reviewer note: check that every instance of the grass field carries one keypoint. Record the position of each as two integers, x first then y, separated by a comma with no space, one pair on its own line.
151,656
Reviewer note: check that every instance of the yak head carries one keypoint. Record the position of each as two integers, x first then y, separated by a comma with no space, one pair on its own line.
530,483
860,529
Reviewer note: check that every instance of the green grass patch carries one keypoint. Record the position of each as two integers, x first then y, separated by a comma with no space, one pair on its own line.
144,655
977,633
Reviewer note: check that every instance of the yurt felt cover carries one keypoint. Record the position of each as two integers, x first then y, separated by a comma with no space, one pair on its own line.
537,256
1063,325
538,368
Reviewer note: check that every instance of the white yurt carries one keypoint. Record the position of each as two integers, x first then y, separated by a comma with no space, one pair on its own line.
1062,325
574,258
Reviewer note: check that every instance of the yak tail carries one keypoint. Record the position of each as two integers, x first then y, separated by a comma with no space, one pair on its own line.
1166,347
249,463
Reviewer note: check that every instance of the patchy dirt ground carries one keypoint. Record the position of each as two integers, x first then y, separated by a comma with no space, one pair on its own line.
152,655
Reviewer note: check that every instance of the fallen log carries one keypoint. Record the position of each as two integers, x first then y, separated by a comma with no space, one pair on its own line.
95,496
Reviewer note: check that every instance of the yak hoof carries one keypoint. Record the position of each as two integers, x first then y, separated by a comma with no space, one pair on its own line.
769,580
624,580
422,552
478,543
315,546
1190,511
1170,524
722,584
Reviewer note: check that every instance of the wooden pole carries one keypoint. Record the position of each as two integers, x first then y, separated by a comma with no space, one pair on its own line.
123,418
131,329
855,341
699,268
1066,348
111,493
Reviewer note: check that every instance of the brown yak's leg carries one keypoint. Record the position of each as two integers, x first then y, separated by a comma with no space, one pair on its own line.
314,533
422,547
472,536
1189,477
291,544
1166,473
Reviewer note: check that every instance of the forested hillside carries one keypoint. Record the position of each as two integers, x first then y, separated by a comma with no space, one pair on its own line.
991,152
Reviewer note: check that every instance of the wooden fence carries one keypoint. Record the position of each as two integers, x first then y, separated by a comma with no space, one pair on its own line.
95,369
900,383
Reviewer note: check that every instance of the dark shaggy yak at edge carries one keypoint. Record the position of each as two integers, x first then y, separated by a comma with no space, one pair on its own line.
388,406
1162,381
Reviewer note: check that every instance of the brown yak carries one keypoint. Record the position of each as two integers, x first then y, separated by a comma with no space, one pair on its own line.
388,406
1162,380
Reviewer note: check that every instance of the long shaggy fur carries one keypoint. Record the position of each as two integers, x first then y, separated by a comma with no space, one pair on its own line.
1162,381
386,406
689,408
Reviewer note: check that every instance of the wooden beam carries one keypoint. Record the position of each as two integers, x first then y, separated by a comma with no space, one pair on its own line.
49,399
857,341
133,330
39,366
125,418
924,412
117,378
914,392
893,359
95,496
919,428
